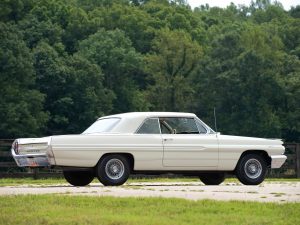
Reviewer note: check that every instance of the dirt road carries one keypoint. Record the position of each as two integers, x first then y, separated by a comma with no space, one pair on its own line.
267,192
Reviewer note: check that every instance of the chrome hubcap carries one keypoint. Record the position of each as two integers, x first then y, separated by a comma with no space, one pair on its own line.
253,168
114,169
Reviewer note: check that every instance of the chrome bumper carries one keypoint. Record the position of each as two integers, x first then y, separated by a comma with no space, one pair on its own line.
31,160
277,161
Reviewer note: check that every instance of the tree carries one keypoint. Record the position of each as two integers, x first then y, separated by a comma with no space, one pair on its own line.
174,57
244,72
35,31
21,107
74,90
14,10
138,25
290,105
88,58
295,11
112,51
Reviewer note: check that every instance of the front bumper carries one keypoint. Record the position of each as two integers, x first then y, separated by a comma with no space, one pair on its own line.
277,161
31,160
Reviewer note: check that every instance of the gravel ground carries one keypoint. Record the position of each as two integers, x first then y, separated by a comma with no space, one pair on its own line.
266,192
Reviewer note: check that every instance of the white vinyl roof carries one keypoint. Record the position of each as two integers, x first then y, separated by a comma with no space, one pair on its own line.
131,121
151,114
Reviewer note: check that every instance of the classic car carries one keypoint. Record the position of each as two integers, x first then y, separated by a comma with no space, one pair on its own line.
116,146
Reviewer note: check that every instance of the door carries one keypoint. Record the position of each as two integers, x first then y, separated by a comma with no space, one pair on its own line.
149,154
187,143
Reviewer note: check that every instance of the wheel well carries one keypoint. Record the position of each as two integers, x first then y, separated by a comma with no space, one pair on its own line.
262,153
128,156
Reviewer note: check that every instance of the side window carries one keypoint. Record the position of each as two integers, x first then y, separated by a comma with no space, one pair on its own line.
165,129
201,128
178,125
150,126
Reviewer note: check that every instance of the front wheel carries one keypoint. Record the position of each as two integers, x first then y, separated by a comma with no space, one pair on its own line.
251,169
79,178
113,170
212,178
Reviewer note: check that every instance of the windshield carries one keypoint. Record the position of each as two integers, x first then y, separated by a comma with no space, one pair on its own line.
102,125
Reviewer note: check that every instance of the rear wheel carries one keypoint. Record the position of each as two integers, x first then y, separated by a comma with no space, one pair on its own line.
251,169
212,178
113,170
79,178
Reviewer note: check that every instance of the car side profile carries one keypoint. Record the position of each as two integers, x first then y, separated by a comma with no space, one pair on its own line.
118,145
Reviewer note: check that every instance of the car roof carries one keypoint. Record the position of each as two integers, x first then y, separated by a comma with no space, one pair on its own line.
151,114
131,121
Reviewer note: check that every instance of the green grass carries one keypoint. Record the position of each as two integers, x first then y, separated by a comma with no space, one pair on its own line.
57,209
27,181
49,181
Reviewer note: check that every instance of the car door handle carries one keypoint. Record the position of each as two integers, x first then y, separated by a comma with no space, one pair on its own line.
168,139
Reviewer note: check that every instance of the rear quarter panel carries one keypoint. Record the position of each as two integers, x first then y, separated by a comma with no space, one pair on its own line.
86,150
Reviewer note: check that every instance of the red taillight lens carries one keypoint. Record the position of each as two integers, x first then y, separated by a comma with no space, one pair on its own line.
16,147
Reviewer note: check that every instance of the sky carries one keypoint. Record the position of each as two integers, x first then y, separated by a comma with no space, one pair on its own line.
223,3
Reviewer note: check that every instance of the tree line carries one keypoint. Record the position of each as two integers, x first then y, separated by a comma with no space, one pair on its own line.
64,63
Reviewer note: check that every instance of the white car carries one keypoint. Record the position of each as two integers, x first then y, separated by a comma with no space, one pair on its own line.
151,143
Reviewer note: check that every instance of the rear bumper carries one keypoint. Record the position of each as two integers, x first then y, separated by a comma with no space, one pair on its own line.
277,161
31,160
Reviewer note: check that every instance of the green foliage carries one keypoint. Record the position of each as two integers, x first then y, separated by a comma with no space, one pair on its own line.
21,111
65,63
14,9
173,59
71,83
121,65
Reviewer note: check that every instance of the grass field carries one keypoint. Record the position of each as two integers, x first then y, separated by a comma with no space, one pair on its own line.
57,209
30,181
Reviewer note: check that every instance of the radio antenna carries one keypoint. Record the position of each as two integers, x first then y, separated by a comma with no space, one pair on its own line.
215,120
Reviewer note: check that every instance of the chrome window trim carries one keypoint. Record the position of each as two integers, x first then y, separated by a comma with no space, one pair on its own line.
207,128
159,126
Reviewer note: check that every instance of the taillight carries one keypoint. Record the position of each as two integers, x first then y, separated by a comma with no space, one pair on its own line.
16,147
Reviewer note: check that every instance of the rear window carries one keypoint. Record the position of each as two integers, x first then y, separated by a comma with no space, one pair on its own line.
102,125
